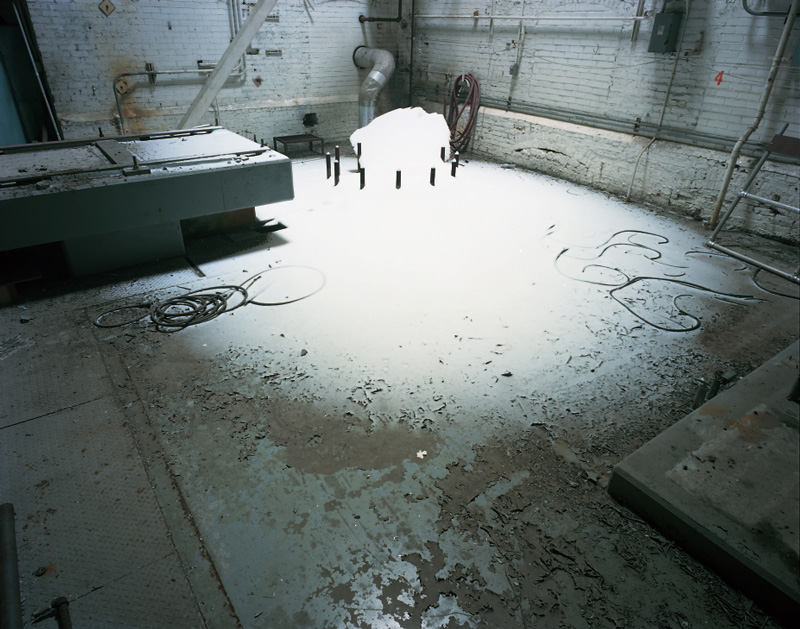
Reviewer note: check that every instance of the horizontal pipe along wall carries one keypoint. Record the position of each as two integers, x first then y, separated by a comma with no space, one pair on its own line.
593,72
293,66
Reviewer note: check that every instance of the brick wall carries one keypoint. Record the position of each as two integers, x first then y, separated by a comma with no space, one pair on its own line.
591,72
588,72
593,66
679,177
301,62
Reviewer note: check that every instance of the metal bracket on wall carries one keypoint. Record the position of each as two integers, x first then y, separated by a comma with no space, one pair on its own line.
106,7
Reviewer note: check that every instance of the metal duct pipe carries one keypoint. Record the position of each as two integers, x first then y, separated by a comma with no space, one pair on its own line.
382,64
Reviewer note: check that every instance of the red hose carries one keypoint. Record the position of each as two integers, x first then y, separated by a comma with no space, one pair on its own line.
459,140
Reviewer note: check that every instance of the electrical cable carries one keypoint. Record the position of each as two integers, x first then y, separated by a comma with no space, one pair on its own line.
198,306
201,305
459,140
630,281
769,290
145,305
681,312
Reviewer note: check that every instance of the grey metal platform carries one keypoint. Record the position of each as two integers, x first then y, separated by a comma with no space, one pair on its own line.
119,201
725,482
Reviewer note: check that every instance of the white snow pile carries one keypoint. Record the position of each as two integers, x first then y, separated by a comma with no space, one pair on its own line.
407,139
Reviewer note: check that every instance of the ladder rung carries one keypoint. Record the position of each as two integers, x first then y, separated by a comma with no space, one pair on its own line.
775,204
761,265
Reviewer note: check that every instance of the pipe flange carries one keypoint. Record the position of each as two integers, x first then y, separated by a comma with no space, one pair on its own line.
354,54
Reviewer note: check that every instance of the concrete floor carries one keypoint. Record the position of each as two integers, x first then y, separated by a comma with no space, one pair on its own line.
425,441
724,481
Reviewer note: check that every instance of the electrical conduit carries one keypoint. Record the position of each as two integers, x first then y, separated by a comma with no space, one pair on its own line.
381,63
666,100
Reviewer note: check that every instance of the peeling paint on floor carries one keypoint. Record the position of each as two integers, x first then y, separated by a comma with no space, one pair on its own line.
450,326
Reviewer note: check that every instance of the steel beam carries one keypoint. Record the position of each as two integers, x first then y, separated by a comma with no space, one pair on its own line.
226,64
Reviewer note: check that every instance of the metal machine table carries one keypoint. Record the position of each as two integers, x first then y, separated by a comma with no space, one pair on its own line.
119,201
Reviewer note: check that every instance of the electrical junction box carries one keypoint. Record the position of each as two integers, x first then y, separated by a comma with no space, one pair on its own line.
666,28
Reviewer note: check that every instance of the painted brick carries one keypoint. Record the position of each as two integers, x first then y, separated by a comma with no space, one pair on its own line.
83,51
599,70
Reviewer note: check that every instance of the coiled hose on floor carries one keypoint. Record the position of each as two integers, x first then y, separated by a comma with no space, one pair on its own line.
464,84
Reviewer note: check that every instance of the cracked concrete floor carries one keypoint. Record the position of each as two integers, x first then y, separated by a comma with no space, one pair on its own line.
427,440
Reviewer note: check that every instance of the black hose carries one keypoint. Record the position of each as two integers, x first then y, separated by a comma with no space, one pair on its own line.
460,140
205,304
195,307
769,290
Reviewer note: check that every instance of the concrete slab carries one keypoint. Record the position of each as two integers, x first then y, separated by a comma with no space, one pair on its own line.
724,481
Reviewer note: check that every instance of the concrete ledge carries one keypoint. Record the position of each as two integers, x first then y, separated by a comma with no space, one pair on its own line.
725,482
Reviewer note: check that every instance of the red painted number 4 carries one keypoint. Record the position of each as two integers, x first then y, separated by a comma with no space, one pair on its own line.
718,78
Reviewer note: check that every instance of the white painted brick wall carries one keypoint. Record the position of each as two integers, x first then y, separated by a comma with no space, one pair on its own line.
594,68
83,50
676,176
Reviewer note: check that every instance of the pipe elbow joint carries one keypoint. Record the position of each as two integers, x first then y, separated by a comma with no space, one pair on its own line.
381,65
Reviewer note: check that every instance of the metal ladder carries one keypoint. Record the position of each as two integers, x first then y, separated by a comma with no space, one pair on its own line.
783,145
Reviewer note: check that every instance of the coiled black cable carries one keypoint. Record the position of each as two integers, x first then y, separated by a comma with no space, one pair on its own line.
195,307
205,304
459,140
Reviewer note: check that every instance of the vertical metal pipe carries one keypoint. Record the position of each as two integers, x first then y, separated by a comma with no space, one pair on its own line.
398,180
639,13
362,178
336,153
442,153
60,607
453,169
433,176
762,106
666,99
336,172
11,609
358,150
328,164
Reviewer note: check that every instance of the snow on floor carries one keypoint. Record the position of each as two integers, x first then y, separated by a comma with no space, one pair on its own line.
427,438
